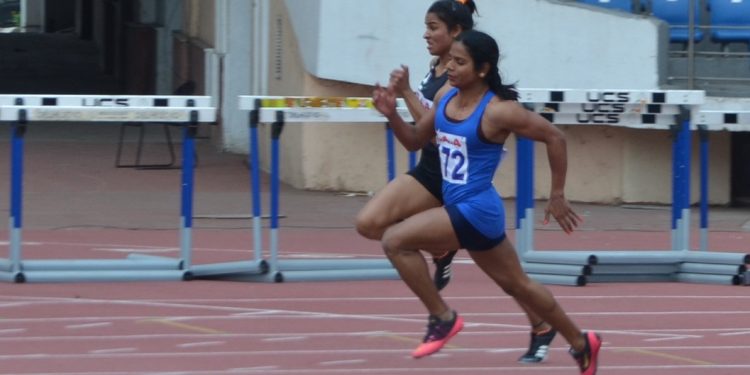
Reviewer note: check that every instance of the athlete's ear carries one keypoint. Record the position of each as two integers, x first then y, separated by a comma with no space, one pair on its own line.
457,30
484,70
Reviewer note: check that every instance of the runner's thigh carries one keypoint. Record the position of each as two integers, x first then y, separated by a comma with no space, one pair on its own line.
404,196
429,230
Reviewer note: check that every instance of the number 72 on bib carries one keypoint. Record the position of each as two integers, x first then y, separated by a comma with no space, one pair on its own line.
454,161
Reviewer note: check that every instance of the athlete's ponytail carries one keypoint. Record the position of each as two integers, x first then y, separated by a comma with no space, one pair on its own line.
455,13
484,50
507,92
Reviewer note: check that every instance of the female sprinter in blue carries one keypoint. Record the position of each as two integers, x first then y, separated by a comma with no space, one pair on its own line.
473,119
421,187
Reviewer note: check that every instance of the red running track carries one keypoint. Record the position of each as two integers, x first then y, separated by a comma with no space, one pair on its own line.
367,327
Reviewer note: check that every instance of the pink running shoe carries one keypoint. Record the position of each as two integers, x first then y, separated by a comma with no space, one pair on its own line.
438,334
588,359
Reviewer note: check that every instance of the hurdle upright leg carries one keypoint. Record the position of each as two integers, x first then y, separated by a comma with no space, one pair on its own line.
681,185
524,195
273,238
16,197
703,133
390,152
255,180
188,159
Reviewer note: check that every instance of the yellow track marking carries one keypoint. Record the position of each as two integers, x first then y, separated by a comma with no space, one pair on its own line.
187,327
668,356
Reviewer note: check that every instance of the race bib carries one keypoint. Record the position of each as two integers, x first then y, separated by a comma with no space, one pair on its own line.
454,159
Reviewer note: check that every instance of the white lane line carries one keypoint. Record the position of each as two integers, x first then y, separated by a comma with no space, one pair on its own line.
16,304
10,331
411,370
201,344
507,350
245,370
257,313
343,362
290,314
113,350
331,352
558,295
296,336
743,332
287,338
87,325
673,337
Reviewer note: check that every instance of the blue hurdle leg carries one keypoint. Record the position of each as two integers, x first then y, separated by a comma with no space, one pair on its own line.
16,192
255,181
188,160
524,195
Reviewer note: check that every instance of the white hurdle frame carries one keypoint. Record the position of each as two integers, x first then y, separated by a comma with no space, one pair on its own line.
677,264
732,265
634,111
643,109
267,109
21,110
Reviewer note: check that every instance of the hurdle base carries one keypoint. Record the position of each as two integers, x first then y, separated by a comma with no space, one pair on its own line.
229,268
700,278
12,277
339,275
332,264
716,257
567,280
269,277
626,278
87,265
556,269
5,265
634,269
312,275
711,268
624,257
559,257
105,276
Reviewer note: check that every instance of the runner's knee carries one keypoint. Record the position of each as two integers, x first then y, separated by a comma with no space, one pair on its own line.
392,243
369,227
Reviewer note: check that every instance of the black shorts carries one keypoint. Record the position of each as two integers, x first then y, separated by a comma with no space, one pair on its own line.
427,171
469,237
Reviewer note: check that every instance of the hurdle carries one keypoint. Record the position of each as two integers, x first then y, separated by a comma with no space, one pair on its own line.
22,110
724,267
279,111
299,109
546,267
645,109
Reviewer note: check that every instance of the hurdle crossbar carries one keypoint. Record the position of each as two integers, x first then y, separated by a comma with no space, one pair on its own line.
280,110
644,109
22,110
655,109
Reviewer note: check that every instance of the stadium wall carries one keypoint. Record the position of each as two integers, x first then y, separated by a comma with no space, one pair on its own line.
340,47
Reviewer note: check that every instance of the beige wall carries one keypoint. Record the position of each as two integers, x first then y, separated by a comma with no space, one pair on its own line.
605,164
314,156
199,19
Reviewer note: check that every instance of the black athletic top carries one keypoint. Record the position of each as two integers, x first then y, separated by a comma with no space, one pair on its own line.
427,171
431,84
